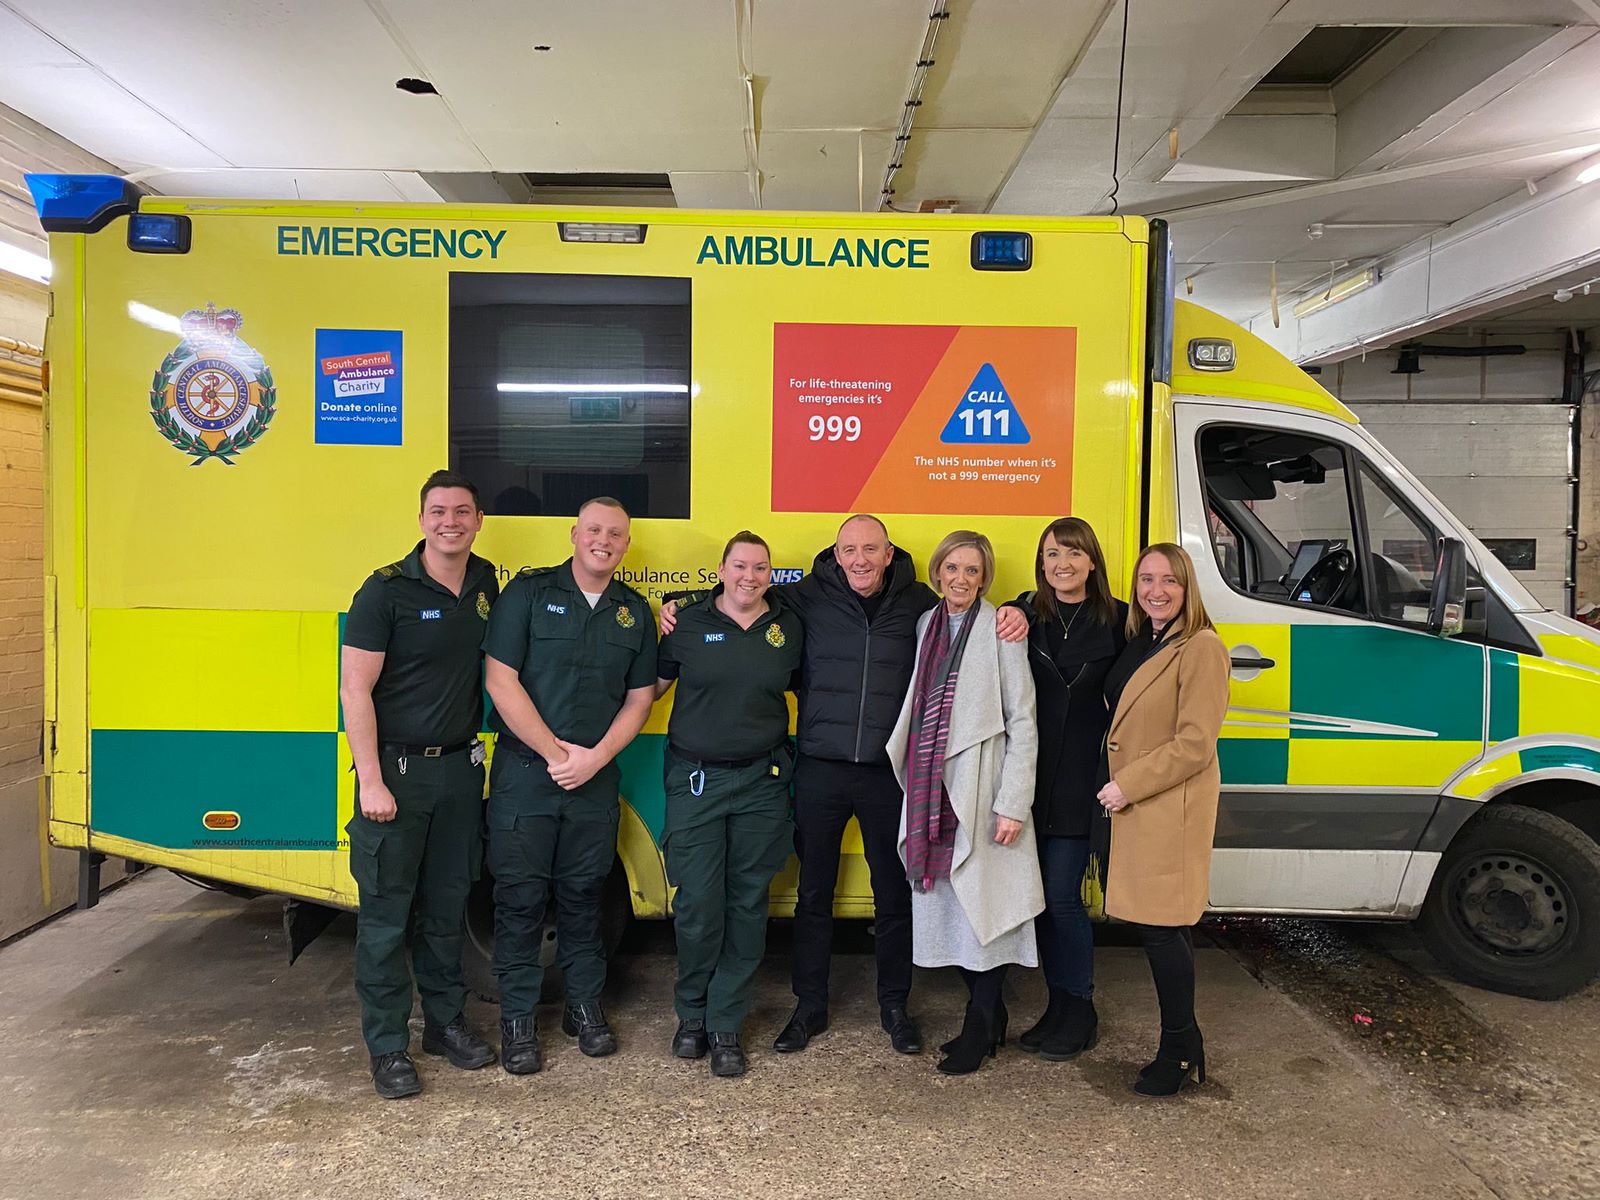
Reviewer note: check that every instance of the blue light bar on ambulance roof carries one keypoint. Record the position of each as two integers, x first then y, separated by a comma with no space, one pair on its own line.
602,231
80,203
1002,251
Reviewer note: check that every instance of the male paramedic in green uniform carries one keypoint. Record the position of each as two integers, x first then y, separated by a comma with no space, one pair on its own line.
571,660
411,682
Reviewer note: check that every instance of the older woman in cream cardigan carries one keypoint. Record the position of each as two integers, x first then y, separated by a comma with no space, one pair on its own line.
964,751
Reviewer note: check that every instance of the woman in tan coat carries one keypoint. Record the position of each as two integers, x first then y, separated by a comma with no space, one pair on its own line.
1169,693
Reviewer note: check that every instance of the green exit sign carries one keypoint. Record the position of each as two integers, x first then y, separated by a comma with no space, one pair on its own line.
596,410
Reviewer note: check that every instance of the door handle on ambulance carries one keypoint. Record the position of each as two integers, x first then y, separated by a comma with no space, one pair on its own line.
1248,662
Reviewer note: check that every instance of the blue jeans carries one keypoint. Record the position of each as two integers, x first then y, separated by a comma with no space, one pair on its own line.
1066,936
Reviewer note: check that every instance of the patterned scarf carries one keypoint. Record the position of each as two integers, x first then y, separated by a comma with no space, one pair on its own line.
930,819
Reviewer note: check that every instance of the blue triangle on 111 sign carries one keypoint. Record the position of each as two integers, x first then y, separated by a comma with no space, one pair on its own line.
985,414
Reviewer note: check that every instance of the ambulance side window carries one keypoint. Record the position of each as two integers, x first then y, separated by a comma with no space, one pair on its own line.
566,387
1283,516
1403,551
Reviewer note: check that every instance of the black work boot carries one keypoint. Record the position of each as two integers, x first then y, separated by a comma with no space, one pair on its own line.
519,1046
727,1056
1077,1030
395,1075
903,1033
587,1022
802,1027
459,1044
690,1040
1045,1026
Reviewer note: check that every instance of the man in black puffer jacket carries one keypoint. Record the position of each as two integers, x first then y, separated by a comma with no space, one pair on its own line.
860,605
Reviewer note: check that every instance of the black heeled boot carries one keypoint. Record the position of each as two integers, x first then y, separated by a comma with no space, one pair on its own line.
1002,1019
1182,1057
981,1032
1033,1038
1077,1031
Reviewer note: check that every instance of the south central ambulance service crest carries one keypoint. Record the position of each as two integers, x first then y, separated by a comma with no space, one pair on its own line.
213,396
775,636
625,617
483,606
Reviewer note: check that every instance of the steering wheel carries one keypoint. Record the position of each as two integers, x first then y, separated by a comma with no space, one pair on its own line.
1329,579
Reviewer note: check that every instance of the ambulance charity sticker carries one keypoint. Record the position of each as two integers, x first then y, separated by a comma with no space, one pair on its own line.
358,387
213,396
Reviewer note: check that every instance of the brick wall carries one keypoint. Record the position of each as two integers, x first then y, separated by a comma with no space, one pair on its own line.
34,880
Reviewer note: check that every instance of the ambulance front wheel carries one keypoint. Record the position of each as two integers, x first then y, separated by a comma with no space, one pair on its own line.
477,953
1515,904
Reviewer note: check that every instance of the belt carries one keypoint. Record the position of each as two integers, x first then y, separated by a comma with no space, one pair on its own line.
730,763
405,749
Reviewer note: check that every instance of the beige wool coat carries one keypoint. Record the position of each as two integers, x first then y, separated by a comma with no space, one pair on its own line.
1162,750
988,772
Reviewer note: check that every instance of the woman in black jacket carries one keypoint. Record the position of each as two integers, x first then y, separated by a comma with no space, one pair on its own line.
1076,631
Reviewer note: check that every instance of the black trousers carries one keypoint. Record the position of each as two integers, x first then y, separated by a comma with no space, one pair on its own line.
1170,949
826,795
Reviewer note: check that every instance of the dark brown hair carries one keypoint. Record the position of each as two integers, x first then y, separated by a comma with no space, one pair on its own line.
449,479
1077,534
745,538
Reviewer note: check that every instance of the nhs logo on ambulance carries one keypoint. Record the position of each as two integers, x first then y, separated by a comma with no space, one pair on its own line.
788,574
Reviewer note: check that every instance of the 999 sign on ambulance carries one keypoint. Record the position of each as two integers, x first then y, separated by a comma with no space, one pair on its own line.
243,396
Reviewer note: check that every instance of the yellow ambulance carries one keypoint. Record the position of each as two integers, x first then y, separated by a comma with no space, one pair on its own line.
244,397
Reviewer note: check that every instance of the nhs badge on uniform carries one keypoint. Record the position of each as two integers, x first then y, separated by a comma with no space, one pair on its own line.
431,614
715,637
560,610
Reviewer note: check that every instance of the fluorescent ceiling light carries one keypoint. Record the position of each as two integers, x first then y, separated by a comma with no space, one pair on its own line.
153,317
562,389
1589,174
24,262
1349,286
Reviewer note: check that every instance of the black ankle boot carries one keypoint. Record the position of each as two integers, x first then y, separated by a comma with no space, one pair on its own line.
1001,1019
1182,1057
1077,1031
1045,1026
981,1032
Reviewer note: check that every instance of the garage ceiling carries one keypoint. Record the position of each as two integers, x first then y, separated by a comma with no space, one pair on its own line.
1451,105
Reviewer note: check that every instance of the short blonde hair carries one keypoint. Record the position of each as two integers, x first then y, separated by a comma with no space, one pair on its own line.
953,542
1193,616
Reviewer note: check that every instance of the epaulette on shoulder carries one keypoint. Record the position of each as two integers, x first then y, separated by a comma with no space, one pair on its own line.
392,571
533,572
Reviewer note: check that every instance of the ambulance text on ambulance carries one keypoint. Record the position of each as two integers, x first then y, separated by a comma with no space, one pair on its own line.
767,251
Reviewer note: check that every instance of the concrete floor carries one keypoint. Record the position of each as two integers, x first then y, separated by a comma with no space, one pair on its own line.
159,1046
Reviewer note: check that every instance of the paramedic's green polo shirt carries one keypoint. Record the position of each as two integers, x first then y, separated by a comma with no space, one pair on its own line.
577,664
430,692
729,703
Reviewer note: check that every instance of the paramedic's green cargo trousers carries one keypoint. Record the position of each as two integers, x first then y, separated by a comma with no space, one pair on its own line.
423,863
723,848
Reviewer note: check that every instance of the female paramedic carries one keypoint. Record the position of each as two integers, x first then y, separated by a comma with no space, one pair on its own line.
963,750
1075,633
1169,694
728,765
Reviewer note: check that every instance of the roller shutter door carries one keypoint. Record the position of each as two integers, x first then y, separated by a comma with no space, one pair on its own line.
1504,469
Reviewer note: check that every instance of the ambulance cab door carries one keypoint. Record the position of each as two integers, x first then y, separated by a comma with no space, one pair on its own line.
1315,558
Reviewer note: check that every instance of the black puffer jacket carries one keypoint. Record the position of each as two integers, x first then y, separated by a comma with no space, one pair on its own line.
854,677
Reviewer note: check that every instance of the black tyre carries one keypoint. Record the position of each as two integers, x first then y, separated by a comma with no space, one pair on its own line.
1515,904
477,955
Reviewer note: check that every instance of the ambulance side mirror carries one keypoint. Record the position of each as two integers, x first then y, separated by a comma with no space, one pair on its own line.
1447,614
